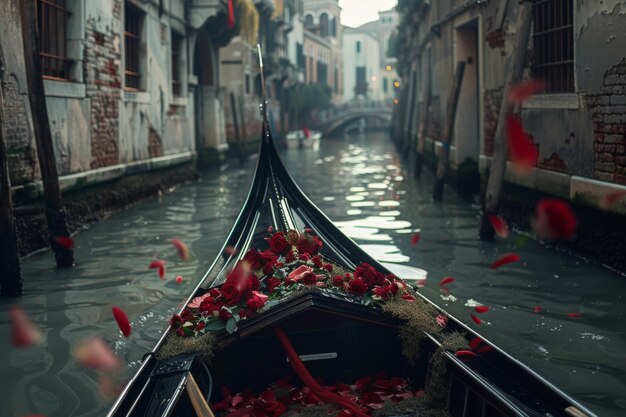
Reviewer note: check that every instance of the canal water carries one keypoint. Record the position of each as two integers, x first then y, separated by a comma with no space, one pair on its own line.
363,185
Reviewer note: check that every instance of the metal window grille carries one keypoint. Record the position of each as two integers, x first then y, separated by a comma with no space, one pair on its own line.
51,24
554,44
177,48
132,39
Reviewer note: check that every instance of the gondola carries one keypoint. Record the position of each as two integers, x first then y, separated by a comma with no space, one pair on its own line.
337,338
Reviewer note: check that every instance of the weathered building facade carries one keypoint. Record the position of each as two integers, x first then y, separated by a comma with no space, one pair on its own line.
130,86
578,124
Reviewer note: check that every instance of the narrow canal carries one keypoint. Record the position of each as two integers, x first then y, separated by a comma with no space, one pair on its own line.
362,184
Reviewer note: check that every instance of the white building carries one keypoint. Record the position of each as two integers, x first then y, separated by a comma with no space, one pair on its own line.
362,73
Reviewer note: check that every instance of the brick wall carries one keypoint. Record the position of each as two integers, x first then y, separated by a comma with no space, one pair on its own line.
102,67
493,101
609,126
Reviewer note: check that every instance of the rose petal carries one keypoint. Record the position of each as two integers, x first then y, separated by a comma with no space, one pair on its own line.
481,309
484,349
574,315
554,219
181,247
465,354
446,280
442,320
160,266
270,229
408,297
94,353
476,319
499,225
122,321
64,241
230,250
537,309
420,283
524,90
179,279
475,342
415,238
504,260
522,150
611,199
24,332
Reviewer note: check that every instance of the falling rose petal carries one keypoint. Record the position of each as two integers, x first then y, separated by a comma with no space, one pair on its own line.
415,238
94,353
179,279
522,151
230,250
446,281
109,388
239,275
160,266
465,354
574,315
537,309
64,241
524,90
475,342
122,321
476,319
505,259
24,332
481,309
499,225
420,283
442,320
611,199
181,247
270,229
554,219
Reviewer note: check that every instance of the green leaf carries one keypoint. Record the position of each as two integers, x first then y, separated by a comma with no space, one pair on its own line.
214,325
280,274
231,325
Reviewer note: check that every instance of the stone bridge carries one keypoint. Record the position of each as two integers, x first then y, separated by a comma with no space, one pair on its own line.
338,117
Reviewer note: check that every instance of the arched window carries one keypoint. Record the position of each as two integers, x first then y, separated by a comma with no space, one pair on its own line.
308,21
324,25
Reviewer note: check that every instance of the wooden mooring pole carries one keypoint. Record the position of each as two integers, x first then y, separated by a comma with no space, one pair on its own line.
55,212
500,145
10,268
422,129
446,137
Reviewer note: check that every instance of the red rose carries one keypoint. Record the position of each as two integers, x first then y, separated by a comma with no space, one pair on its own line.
253,283
382,292
304,257
278,243
212,309
338,281
328,267
199,326
224,314
290,257
317,261
176,320
309,278
215,293
257,301
393,288
254,259
369,275
309,244
272,283
357,286
268,268
229,290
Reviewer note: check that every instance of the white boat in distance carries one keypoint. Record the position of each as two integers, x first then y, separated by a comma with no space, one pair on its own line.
299,139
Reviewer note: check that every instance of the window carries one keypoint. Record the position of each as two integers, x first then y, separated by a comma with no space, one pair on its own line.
322,72
247,83
132,42
300,56
361,84
385,85
358,47
177,50
553,40
52,18
336,81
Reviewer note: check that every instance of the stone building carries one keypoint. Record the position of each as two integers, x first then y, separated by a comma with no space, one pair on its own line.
130,86
578,123
323,22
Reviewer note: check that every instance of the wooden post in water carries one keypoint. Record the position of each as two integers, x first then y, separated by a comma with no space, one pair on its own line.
11,276
500,145
55,213
233,110
446,138
422,129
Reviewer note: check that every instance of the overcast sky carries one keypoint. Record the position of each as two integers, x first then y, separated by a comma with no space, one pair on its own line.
357,12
